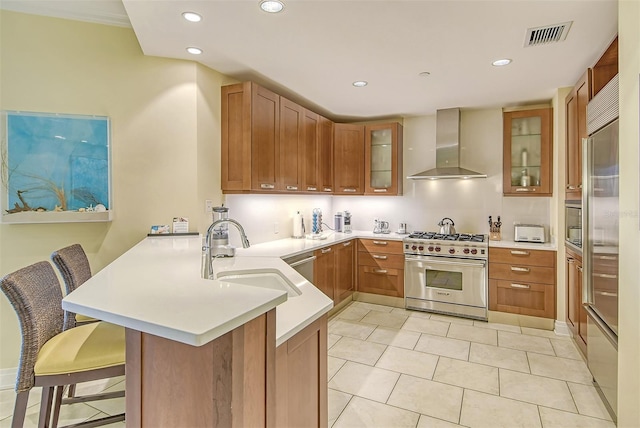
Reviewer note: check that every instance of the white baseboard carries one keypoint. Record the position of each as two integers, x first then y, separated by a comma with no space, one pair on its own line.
562,329
8,378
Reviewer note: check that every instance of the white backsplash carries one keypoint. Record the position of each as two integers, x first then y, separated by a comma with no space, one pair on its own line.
424,202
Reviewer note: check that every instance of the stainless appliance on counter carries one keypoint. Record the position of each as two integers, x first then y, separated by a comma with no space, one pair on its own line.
446,274
529,233
303,264
600,221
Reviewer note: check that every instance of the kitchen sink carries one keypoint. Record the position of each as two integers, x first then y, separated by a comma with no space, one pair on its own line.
265,278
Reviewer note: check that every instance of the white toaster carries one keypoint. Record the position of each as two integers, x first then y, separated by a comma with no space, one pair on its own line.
529,233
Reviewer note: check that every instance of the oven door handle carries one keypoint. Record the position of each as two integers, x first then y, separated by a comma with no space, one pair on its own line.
458,262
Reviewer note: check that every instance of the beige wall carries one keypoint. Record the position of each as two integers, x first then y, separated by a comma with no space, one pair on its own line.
629,292
165,136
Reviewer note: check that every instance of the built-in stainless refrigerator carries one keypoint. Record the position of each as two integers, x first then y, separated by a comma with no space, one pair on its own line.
600,211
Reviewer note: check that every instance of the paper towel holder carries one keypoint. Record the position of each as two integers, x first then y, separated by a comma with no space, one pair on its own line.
298,226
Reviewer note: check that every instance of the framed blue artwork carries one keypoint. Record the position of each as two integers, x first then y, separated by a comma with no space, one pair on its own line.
55,168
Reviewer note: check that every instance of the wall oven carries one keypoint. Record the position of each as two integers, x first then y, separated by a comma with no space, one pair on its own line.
446,275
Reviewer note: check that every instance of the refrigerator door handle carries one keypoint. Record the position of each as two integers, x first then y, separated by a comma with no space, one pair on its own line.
587,295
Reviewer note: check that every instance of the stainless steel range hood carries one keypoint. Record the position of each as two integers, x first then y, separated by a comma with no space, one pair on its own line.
447,150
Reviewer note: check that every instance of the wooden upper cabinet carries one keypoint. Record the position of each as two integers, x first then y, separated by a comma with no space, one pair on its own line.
265,138
576,110
310,160
348,159
528,152
291,146
383,159
236,137
606,67
325,142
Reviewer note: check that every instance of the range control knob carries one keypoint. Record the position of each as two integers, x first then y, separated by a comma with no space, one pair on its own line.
474,251
413,247
430,248
466,251
452,250
420,248
437,249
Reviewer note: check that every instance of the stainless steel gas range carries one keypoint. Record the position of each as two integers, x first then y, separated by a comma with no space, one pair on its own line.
446,274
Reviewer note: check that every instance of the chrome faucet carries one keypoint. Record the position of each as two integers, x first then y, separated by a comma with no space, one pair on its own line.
221,247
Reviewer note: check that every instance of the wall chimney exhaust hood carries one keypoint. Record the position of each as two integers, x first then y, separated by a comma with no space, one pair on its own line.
447,150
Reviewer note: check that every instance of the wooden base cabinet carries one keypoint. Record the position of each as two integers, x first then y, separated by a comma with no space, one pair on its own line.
522,281
334,270
381,267
301,378
576,313
228,382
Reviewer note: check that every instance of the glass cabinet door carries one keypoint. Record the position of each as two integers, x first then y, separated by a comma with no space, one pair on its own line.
383,159
527,154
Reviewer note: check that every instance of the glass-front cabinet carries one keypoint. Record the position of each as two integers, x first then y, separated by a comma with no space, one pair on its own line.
527,152
383,159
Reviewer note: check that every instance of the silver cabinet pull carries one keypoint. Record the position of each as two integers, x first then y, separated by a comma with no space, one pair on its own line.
380,271
349,190
520,286
579,268
571,260
375,256
605,276
267,186
519,253
606,258
606,293
327,189
580,186
311,188
526,189
292,187
380,190
519,269
346,244
326,250
380,242
571,187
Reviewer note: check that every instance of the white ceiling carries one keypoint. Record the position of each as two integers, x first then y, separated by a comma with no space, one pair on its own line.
315,49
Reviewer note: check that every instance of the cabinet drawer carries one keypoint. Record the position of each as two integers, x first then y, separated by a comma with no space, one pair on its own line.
521,272
381,260
388,282
522,298
522,257
380,246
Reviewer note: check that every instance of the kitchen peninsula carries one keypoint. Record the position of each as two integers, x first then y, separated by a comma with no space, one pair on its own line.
197,348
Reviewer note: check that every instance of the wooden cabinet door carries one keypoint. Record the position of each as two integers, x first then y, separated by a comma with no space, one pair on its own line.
236,138
291,146
310,160
582,312
606,67
345,256
324,271
383,159
532,299
528,153
326,155
576,105
265,136
348,159
573,296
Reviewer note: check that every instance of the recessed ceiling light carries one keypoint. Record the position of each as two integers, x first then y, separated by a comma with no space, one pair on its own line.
501,62
424,74
192,17
194,51
271,6
360,83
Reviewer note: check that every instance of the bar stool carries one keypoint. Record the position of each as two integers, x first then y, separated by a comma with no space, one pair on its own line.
52,358
74,267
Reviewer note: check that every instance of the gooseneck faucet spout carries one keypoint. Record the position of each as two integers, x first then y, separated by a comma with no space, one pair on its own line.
211,251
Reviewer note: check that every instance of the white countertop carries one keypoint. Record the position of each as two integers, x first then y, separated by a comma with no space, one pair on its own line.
523,245
156,288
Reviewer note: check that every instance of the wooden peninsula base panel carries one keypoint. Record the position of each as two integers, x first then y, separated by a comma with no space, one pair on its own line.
236,380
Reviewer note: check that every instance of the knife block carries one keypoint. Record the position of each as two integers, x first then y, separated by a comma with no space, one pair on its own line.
495,234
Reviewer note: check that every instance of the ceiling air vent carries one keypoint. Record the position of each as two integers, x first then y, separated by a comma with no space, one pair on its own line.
547,34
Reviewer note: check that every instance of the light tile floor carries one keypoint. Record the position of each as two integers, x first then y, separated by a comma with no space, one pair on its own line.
69,414
389,367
